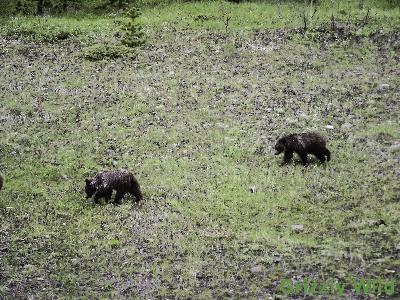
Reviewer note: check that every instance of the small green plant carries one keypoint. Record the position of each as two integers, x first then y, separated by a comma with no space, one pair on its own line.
114,243
226,15
132,33
308,13
105,51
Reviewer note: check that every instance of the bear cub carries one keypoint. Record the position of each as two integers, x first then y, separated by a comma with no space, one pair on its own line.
104,183
302,144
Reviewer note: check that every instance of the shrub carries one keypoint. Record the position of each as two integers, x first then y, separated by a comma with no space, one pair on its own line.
106,51
37,29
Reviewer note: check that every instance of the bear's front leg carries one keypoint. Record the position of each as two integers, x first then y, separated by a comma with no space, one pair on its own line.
288,155
102,193
303,157
97,196
118,197
108,195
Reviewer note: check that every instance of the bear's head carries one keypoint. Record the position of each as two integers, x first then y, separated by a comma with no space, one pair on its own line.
280,146
90,189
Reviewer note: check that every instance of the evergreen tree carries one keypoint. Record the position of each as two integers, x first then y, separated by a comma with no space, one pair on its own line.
132,30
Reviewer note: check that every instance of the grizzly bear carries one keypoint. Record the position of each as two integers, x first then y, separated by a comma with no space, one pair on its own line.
302,144
1,182
104,183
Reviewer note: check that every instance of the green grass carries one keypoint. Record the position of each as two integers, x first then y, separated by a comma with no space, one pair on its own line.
195,116
51,29
265,14
208,15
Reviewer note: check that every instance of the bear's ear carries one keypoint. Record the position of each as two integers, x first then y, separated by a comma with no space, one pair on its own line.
87,181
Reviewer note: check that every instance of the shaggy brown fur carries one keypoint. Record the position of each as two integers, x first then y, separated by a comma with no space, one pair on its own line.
303,144
1,182
103,183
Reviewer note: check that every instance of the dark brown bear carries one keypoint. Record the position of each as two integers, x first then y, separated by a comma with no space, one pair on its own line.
104,183
302,144
1,182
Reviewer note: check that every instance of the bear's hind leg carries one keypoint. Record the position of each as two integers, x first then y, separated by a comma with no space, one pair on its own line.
320,156
328,154
135,195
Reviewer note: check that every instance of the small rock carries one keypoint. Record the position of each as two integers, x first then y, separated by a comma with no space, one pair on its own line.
383,87
298,227
395,148
229,139
65,177
114,163
256,269
253,189
280,110
345,126
329,126
277,259
303,116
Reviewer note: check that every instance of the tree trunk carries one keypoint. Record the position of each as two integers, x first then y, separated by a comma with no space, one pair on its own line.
121,4
39,7
64,5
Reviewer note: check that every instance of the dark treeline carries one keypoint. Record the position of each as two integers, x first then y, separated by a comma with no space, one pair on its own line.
41,7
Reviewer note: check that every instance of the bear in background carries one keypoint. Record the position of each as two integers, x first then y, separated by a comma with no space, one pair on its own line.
102,185
302,144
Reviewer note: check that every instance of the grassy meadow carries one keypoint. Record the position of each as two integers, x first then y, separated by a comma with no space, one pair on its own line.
194,114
